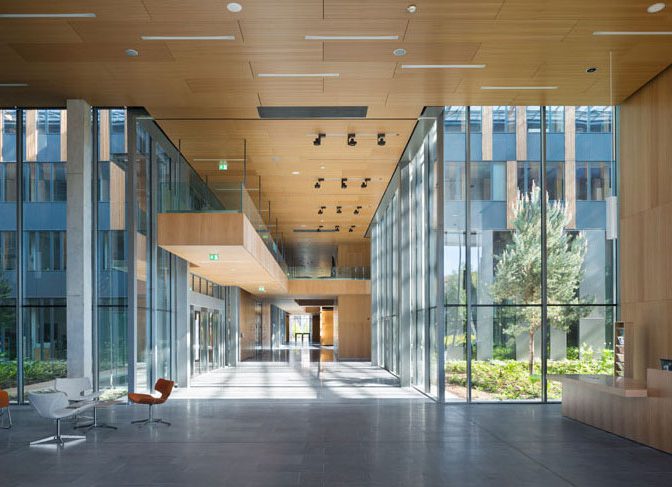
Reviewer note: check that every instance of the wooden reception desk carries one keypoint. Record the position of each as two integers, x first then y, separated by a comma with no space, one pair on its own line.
633,409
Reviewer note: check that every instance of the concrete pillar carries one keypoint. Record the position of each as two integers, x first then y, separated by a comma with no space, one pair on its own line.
79,232
485,316
182,324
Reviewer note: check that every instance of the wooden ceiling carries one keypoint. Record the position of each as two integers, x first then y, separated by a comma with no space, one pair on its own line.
205,94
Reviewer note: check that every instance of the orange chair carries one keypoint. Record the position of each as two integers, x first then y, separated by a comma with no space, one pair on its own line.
163,386
4,409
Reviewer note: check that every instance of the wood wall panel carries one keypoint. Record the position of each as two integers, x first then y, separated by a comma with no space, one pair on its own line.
646,214
327,327
248,325
354,255
354,327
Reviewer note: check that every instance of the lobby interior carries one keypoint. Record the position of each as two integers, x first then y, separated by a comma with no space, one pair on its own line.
337,242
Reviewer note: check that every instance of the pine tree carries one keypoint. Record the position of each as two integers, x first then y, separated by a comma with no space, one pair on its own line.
517,277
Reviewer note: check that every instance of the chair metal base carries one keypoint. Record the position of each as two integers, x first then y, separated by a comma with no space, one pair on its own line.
7,413
58,437
151,419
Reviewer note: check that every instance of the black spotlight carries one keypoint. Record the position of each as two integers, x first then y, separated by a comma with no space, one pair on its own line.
592,69
365,183
352,229
381,139
321,210
318,140
344,183
338,210
318,184
351,140
356,212
337,228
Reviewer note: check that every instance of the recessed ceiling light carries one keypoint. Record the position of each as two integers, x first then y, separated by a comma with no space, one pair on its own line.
234,7
298,75
632,33
132,53
655,8
399,52
519,87
48,16
351,38
188,38
322,167
442,66
296,173
411,9
592,69
13,85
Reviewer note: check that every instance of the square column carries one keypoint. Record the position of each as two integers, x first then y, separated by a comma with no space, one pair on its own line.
79,245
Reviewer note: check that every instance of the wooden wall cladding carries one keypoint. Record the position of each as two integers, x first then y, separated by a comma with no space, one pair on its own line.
646,214
248,325
354,327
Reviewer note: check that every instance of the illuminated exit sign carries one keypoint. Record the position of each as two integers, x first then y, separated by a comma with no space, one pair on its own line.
223,165
214,256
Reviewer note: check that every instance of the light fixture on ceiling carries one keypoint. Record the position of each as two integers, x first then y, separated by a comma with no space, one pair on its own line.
519,88
323,167
234,7
365,182
352,141
262,289
321,210
399,51
298,75
412,8
188,38
351,38
132,52
318,139
337,228
318,183
356,212
632,33
295,173
381,139
352,228
443,66
49,16
655,8
13,85
344,183
339,210
591,69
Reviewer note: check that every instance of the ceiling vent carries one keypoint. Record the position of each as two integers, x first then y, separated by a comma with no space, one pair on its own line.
300,113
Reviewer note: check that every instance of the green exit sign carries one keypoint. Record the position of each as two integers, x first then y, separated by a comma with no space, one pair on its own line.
214,256
223,165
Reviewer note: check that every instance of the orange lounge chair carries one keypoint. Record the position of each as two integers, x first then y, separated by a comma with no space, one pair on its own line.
163,386
4,410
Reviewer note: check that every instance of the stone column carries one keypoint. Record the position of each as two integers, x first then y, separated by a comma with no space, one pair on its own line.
79,234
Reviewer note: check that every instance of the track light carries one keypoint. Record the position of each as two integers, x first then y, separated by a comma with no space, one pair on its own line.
351,229
365,182
318,140
321,210
381,139
318,184
339,210
337,228
351,140
344,183
356,212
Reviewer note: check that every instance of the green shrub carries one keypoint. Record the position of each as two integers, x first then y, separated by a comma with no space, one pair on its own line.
510,379
34,372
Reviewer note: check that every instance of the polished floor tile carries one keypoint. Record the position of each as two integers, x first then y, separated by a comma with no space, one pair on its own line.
331,440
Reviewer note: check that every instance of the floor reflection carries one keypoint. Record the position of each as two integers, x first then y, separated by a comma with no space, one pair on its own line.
295,353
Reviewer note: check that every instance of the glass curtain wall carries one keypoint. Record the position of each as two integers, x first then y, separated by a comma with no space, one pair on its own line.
527,169
407,314
33,153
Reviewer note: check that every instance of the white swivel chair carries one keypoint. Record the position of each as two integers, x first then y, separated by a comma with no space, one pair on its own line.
54,405
76,389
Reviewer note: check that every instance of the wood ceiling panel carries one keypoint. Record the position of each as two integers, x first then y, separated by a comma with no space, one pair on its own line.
133,31
215,10
50,32
346,70
122,10
218,53
289,86
575,9
294,30
89,52
453,53
449,30
396,9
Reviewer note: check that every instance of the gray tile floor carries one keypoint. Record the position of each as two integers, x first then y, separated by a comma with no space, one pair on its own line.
332,441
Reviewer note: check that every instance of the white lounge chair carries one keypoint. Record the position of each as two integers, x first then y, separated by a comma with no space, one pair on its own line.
54,405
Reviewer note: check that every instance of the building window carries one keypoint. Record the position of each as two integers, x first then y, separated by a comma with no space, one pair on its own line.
7,251
593,181
504,120
45,181
555,120
454,119
533,119
476,120
593,119
46,251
